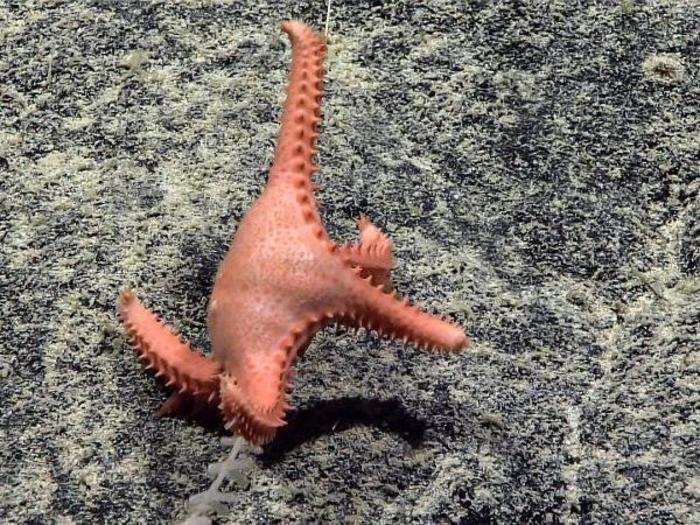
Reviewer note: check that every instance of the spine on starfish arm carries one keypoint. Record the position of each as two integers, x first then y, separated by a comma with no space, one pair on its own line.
297,138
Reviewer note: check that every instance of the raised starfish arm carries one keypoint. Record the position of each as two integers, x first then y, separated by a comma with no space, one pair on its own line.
301,113
372,254
163,351
369,306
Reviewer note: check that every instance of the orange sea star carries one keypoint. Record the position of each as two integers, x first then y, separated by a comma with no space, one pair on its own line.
282,279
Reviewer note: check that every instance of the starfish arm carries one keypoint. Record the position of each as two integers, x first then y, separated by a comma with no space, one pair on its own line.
163,351
372,253
254,405
241,417
301,113
371,307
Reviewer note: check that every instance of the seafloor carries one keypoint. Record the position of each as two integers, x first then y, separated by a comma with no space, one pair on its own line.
536,164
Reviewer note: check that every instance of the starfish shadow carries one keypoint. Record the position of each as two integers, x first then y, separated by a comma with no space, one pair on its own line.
336,415
324,417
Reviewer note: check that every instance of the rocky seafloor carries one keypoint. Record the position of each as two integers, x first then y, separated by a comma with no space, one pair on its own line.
535,163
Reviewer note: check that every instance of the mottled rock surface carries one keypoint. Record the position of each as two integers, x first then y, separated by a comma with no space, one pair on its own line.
536,164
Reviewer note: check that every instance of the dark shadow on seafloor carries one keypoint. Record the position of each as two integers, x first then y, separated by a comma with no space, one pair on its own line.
337,415
319,418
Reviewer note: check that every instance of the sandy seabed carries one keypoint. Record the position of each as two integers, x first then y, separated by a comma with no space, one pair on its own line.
536,164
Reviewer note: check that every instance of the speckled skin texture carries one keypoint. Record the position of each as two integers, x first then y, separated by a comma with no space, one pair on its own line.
535,164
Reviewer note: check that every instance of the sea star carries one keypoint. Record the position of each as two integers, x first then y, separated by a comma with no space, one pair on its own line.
282,280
